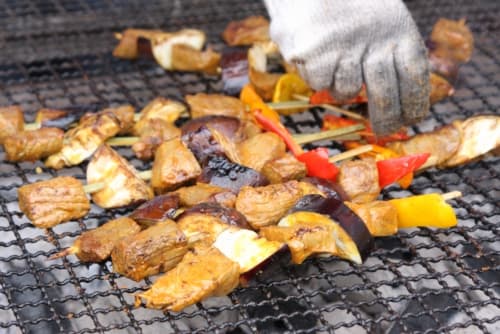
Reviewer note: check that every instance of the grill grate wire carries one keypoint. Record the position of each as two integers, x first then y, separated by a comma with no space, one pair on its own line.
56,53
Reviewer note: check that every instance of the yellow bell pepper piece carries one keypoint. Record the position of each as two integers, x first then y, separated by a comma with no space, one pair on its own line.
429,210
250,98
288,85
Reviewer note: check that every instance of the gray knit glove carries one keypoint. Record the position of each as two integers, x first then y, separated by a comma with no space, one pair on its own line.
339,44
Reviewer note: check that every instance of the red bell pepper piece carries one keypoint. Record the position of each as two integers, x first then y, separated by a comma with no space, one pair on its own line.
278,128
391,170
324,97
318,165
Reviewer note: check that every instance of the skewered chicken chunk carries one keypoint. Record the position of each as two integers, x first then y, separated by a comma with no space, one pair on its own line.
380,217
283,169
156,249
186,58
202,104
33,145
155,132
263,81
159,109
48,203
247,31
206,227
161,45
11,121
82,141
359,179
264,206
129,47
174,165
96,245
125,115
200,274
121,184
198,193
256,151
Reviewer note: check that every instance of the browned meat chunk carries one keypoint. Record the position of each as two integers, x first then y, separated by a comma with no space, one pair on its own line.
326,188
200,192
441,144
125,115
263,206
255,152
156,210
246,32
359,179
33,145
226,215
452,40
186,58
226,199
156,249
96,245
48,203
440,88
11,122
159,109
199,275
82,141
284,168
219,171
174,166
121,183
154,132
128,47
203,229
381,218
203,104
262,81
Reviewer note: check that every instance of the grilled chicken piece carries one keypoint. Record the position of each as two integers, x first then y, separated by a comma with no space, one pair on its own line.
198,193
262,81
359,179
159,109
380,217
82,141
220,172
284,168
96,245
125,115
156,249
48,203
199,275
479,135
121,183
256,151
205,228
156,210
442,144
155,132
247,31
11,122
226,215
174,166
226,199
46,115
33,145
440,88
128,48
186,58
263,206
452,39
202,104
162,45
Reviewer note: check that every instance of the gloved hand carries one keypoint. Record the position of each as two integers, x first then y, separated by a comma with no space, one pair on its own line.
339,44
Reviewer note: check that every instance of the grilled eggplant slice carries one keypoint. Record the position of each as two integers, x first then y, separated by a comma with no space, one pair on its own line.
156,249
198,193
339,213
156,210
227,215
121,182
328,188
199,275
48,203
33,145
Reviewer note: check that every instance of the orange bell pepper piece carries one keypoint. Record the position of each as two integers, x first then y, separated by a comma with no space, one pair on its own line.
250,97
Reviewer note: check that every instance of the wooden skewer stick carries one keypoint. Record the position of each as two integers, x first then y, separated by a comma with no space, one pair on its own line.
351,153
451,195
347,113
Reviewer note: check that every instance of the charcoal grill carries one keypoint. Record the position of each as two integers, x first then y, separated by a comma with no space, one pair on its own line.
56,53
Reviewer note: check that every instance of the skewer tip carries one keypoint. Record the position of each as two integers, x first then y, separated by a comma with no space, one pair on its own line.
451,195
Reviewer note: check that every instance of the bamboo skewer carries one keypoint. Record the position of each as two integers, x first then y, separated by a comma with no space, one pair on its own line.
351,153
344,112
451,195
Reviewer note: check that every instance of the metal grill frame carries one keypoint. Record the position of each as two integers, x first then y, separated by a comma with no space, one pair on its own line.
56,53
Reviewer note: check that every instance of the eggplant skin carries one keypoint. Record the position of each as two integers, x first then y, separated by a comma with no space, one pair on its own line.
329,188
156,210
227,215
227,125
202,144
340,213
219,171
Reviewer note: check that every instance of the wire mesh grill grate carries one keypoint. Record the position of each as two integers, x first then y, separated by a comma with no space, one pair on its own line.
57,54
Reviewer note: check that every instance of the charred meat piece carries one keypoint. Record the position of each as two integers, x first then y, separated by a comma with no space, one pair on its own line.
203,229
155,132
125,115
284,168
156,249
441,144
246,248
256,151
227,215
186,58
159,109
202,104
174,166
380,217
82,141
128,47
11,122
121,183
156,210
359,179
479,135
227,145
247,31
199,275
328,188
342,215
202,144
96,245
219,171
263,206
48,203
33,145
196,194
